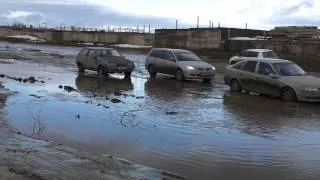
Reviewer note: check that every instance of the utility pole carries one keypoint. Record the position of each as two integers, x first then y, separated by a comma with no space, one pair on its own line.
246,25
176,23
219,25
198,19
149,29
209,23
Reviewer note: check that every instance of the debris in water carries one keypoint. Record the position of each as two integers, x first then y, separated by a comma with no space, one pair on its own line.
107,98
36,96
78,116
32,79
99,104
171,113
140,97
117,93
2,75
60,86
107,107
114,100
42,82
68,88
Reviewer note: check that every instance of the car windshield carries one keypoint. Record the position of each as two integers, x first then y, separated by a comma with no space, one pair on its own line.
186,56
270,54
288,69
115,52
111,52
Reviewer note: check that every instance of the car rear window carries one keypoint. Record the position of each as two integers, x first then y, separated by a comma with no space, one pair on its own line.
270,54
250,66
251,54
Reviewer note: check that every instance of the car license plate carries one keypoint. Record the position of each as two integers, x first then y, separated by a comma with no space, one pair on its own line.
122,68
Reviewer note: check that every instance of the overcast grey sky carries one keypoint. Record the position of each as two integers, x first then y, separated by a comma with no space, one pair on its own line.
260,14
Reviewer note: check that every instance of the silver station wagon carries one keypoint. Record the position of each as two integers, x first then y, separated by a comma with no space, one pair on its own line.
104,61
182,64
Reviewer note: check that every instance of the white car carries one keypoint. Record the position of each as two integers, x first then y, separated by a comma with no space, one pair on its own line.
253,54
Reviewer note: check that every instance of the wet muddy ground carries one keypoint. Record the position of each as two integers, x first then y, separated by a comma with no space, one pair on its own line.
201,131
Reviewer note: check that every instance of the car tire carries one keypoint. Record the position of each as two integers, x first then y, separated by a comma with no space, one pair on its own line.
80,68
127,74
179,75
288,94
152,71
207,80
101,71
235,86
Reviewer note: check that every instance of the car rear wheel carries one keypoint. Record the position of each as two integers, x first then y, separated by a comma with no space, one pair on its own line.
101,71
152,71
235,86
288,94
80,68
179,75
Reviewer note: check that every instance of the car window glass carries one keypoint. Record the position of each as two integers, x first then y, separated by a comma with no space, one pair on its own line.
168,56
114,52
105,52
251,54
250,66
270,54
91,53
84,52
265,69
238,66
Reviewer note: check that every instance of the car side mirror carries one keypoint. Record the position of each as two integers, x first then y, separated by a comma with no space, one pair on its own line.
274,76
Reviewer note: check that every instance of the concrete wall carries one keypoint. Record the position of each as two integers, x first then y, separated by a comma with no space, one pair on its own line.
57,36
189,38
200,38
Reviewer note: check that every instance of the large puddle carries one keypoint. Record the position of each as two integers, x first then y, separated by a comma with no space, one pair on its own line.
201,131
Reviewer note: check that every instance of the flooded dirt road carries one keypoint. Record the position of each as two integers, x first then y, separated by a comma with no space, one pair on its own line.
201,131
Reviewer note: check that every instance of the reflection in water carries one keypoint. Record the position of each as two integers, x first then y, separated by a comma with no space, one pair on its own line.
101,85
259,115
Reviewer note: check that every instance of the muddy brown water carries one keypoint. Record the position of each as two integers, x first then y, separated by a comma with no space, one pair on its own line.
201,131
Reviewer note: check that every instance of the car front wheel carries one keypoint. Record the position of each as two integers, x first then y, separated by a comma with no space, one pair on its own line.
288,94
179,75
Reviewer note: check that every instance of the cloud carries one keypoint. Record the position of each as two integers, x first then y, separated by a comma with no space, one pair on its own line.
295,8
79,14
